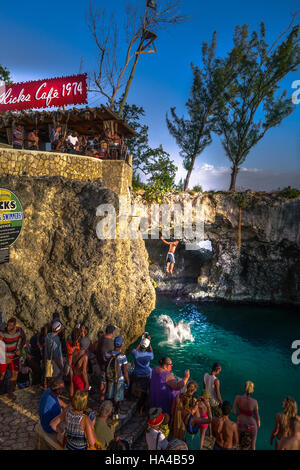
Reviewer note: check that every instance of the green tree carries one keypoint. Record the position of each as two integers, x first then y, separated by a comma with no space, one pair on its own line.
252,104
153,163
5,75
193,135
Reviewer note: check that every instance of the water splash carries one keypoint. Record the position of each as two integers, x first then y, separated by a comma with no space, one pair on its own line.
175,333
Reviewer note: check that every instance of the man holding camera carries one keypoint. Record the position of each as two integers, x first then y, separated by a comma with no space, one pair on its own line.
142,356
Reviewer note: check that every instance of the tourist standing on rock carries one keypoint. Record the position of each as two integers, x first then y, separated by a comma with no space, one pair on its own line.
248,407
116,375
104,433
282,424
155,438
142,356
79,427
53,350
79,365
14,338
212,384
293,441
50,404
163,385
105,344
170,256
227,436
72,345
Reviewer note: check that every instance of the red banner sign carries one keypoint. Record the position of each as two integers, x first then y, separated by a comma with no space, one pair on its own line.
43,93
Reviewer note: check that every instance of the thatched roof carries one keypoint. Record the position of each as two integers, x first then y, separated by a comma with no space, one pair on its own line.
89,121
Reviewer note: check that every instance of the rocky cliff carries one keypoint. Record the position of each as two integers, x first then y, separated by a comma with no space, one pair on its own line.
59,265
267,267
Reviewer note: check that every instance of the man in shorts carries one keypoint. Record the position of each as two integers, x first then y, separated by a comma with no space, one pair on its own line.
14,340
170,256
116,385
105,344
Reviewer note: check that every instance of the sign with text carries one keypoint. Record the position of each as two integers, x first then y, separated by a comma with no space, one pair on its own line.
43,93
11,218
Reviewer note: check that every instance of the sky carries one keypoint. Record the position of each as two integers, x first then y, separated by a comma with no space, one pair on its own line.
45,40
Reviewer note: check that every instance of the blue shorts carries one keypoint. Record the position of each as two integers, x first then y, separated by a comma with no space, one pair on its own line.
170,258
115,391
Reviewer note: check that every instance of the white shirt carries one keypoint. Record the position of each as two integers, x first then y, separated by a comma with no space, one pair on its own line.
72,140
2,352
151,439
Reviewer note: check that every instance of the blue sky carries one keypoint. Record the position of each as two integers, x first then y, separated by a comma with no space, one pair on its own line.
44,40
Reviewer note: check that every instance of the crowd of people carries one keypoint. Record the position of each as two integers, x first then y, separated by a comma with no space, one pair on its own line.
65,364
103,146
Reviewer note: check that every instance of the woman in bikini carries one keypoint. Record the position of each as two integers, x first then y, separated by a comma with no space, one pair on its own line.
282,424
204,412
186,415
248,407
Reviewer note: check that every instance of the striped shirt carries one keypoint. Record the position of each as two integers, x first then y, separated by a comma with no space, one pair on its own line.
75,435
17,137
13,341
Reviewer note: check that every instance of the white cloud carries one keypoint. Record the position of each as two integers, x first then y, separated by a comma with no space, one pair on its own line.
218,178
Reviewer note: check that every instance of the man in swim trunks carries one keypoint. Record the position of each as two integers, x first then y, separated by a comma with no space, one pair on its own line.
227,435
170,256
292,442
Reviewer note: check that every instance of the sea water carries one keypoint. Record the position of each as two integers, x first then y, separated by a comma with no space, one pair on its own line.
250,342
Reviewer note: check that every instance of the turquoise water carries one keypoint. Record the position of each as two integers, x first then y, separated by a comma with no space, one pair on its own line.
250,342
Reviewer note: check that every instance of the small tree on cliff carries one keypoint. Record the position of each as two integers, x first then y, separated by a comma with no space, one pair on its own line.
193,135
249,108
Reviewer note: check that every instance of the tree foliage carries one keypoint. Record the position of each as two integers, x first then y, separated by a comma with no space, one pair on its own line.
154,163
193,135
252,103
5,75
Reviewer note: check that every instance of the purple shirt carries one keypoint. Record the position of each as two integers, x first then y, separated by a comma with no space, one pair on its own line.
161,395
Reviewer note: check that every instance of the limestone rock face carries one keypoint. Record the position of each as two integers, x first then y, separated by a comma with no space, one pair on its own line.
59,265
267,269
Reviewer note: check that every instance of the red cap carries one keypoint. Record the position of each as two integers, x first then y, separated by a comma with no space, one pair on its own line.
156,421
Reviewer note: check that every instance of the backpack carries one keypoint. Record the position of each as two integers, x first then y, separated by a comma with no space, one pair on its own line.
113,370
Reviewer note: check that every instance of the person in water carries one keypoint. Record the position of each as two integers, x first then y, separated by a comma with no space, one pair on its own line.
282,424
170,256
248,407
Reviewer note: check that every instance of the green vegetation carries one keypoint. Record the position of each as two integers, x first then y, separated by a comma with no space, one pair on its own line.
5,75
290,193
250,105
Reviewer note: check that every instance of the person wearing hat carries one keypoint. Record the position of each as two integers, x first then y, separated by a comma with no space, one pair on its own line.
155,438
142,356
105,344
116,374
53,349
80,379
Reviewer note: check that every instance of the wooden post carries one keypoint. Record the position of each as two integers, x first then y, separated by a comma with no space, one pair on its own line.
240,231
